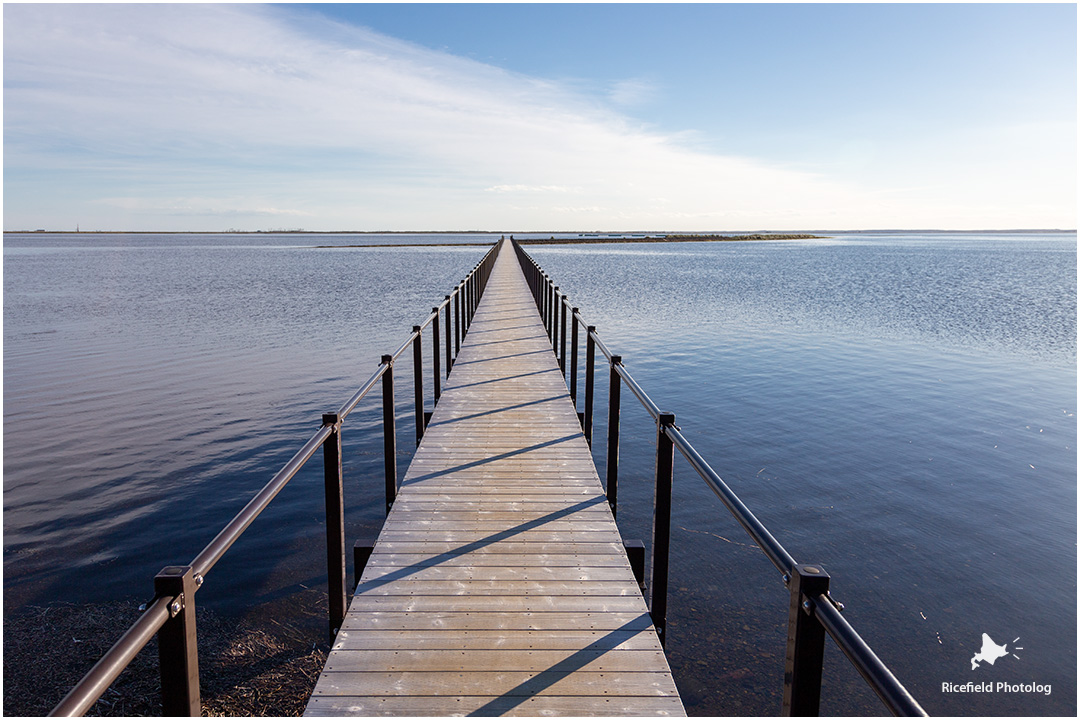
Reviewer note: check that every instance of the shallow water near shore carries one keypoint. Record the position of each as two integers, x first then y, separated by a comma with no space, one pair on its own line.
899,408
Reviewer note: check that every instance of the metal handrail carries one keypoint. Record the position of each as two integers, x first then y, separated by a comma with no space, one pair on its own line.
167,607
817,605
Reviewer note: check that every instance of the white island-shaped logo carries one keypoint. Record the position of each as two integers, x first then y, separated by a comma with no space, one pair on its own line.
991,651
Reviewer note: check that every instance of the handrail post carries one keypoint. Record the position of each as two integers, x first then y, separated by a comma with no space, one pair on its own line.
466,304
436,371
573,356
178,649
805,642
449,354
590,361
475,292
661,540
389,431
472,295
547,305
335,523
562,337
613,434
418,382
457,320
541,300
555,301
551,311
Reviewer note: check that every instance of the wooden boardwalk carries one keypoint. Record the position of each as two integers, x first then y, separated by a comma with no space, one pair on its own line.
499,584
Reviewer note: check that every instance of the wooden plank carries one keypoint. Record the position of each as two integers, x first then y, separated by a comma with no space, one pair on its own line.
486,527
460,706
434,588
496,545
495,683
402,560
539,535
520,492
491,603
543,573
499,585
593,513
411,586
494,660
495,640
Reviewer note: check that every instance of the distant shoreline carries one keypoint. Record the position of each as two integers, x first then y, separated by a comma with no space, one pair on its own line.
670,238
595,241
583,237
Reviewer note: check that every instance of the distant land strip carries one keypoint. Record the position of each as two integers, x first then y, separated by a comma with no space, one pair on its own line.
667,238
598,240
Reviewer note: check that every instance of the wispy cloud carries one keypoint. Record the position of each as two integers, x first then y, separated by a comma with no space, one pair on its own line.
532,189
198,207
632,92
198,111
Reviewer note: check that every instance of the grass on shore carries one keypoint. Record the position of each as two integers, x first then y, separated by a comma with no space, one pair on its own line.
245,671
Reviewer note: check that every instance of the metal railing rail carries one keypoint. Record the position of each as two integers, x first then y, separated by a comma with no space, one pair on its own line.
171,615
812,612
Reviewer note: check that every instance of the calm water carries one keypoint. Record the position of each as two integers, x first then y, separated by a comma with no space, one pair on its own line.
899,408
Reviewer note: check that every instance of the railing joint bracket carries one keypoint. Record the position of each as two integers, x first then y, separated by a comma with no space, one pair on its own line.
176,605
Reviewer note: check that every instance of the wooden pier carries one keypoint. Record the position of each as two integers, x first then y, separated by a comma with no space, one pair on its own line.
499,584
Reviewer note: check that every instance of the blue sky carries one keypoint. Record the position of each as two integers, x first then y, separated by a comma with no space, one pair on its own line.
539,117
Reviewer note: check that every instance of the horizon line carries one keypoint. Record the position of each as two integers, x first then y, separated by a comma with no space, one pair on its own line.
527,232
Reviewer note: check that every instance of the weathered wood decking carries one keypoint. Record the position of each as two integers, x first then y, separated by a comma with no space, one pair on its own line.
499,584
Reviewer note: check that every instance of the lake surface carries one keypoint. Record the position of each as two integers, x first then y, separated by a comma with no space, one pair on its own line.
897,407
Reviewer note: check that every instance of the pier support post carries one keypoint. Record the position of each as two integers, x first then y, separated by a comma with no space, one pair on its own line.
335,523
805,643
178,649
361,553
635,553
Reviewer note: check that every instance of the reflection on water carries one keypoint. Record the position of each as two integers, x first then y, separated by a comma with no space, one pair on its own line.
900,409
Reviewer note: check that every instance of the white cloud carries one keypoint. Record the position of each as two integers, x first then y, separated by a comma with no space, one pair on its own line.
193,112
